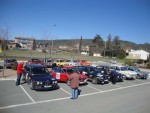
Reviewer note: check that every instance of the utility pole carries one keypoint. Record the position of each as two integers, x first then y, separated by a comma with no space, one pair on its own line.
52,41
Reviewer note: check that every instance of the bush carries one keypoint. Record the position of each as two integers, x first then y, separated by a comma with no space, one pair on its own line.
148,66
129,62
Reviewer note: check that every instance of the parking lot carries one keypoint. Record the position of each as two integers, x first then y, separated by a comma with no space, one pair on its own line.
129,96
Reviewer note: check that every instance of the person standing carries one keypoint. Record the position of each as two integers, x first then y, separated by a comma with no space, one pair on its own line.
74,84
19,73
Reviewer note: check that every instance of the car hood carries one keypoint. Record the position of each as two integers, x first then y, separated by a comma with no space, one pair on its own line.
129,72
42,78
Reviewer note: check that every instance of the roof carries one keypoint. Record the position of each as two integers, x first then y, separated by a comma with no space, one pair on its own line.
139,52
24,38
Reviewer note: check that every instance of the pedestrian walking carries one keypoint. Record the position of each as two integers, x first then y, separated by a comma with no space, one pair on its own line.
19,73
74,84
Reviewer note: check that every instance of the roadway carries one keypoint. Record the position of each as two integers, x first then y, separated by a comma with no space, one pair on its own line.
131,96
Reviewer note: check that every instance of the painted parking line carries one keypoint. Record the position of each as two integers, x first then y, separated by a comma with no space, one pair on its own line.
65,91
94,88
64,98
27,94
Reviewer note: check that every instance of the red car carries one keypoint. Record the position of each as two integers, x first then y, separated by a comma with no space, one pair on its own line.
61,74
35,61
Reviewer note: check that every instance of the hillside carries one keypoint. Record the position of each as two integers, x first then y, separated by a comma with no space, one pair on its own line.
85,42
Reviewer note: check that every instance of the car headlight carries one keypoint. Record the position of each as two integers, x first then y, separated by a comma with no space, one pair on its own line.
38,82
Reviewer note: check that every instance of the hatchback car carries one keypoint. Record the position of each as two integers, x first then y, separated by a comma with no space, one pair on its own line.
39,78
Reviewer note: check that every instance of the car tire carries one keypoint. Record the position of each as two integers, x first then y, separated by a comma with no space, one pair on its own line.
68,83
31,85
94,80
138,77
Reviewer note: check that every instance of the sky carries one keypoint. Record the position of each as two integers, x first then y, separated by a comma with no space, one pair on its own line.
71,19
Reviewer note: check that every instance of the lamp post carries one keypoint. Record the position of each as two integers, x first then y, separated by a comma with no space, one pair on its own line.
51,50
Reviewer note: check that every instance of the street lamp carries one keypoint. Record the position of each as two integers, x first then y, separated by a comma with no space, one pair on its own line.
52,41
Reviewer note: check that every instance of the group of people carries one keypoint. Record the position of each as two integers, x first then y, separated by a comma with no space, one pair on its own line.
73,78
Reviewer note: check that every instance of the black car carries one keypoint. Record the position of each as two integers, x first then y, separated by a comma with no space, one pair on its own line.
94,74
38,77
110,73
9,63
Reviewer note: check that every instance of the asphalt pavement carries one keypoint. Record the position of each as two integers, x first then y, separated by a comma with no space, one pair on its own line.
131,96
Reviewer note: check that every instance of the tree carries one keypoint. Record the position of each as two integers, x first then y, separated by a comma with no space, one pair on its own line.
116,47
98,44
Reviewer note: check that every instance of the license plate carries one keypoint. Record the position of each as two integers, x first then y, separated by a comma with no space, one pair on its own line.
47,86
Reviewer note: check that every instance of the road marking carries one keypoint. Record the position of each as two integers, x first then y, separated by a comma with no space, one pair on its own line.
27,94
94,88
65,91
65,98
4,79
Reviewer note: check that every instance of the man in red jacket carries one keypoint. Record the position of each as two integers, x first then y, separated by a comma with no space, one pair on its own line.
74,84
19,73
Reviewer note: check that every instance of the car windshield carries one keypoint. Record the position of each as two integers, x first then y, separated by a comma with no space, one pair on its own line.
123,68
39,70
59,70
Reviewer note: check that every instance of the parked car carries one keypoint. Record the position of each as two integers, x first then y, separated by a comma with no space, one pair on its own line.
73,62
123,70
94,74
8,63
35,61
140,74
39,78
60,62
49,63
62,74
109,73
84,63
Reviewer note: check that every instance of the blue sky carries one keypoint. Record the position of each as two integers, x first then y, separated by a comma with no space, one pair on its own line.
128,19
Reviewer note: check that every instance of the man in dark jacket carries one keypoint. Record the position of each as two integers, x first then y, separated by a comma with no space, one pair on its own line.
19,73
74,84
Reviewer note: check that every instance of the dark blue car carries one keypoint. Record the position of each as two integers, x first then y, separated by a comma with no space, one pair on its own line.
94,74
39,78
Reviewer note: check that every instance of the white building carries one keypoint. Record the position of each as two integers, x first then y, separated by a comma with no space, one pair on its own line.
138,54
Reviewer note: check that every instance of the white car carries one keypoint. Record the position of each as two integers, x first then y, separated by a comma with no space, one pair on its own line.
73,62
123,70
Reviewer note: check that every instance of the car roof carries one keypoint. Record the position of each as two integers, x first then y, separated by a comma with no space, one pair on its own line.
35,65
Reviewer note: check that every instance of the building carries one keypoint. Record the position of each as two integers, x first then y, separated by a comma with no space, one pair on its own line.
138,55
26,43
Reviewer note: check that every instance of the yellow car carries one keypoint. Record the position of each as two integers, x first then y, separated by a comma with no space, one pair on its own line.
61,62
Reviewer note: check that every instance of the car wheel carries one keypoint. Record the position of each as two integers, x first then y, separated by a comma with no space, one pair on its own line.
68,83
31,85
138,77
94,81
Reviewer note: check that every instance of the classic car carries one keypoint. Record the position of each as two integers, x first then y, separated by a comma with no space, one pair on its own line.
60,62
140,74
73,62
62,75
8,63
123,70
49,62
38,77
94,74
84,63
110,72
35,61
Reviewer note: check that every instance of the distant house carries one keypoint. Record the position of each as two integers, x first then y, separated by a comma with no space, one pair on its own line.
138,55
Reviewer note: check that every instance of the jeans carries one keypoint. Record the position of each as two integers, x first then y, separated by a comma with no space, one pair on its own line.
18,79
74,93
